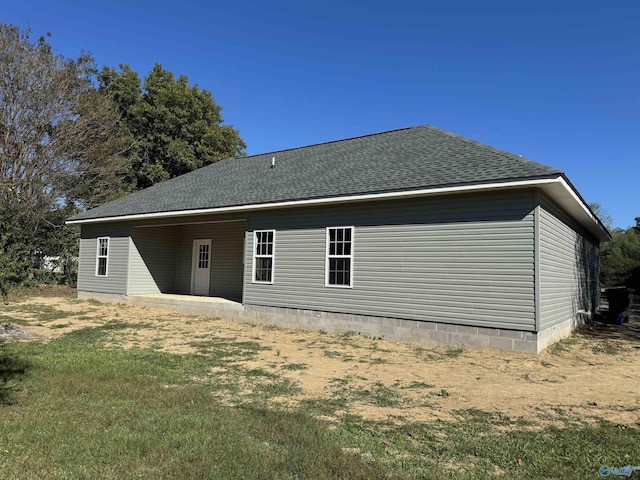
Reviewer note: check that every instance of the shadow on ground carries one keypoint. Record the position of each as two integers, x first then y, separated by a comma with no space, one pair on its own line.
11,367
603,327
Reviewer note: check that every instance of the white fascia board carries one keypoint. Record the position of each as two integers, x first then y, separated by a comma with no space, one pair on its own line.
326,201
566,196
557,187
579,201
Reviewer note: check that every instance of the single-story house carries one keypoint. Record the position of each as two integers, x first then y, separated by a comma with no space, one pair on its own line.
413,234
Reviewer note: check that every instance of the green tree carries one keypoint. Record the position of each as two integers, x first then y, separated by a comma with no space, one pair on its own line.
29,234
620,258
172,128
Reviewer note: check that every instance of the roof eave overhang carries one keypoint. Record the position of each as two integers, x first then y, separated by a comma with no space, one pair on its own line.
557,187
564,194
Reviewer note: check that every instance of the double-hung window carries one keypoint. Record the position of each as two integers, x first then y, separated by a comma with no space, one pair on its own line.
339,261
102,259
263,243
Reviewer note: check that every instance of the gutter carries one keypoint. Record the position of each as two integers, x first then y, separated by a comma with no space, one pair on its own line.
558,181
320,201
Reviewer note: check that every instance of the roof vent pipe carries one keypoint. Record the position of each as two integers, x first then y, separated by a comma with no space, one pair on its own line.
273,162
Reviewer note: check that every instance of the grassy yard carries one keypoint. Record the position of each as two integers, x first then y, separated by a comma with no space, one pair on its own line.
88,404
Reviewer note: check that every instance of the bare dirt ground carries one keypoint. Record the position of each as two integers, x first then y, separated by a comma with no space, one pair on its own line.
594,374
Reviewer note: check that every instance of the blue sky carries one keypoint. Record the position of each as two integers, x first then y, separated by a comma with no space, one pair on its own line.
555,81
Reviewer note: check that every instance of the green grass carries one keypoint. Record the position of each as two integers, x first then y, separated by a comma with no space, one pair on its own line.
275,388
74,408
12,368
324,406
483,445
85,412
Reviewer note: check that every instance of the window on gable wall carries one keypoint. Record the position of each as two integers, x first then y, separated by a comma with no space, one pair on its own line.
102,259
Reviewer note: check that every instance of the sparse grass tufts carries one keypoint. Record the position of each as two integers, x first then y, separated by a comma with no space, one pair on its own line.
44,313
564,345
438,354
384,396
331,353
22,294
607,347
418,385
378,394
295,366
60,325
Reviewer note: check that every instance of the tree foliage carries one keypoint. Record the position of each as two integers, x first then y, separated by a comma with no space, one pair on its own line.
66,145
27,238
601,213
56,130
620,258
57,150
172,128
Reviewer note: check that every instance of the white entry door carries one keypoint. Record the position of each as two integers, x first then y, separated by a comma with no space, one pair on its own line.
201,267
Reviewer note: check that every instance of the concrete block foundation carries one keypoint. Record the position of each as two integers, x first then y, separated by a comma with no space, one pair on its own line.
395,329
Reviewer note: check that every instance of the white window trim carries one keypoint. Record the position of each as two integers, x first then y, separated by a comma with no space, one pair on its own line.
255,255
326,257
98,256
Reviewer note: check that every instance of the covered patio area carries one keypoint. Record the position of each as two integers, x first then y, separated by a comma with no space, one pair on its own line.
169,264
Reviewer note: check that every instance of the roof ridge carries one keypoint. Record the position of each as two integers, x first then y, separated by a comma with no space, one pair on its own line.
327,142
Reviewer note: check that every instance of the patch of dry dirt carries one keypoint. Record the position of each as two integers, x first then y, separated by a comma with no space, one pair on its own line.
587,377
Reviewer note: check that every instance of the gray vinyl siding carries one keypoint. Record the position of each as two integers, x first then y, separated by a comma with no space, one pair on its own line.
460,259
152,260
116,279
569,259
227,246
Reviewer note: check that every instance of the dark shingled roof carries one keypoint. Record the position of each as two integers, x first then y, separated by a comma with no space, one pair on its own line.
407,159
